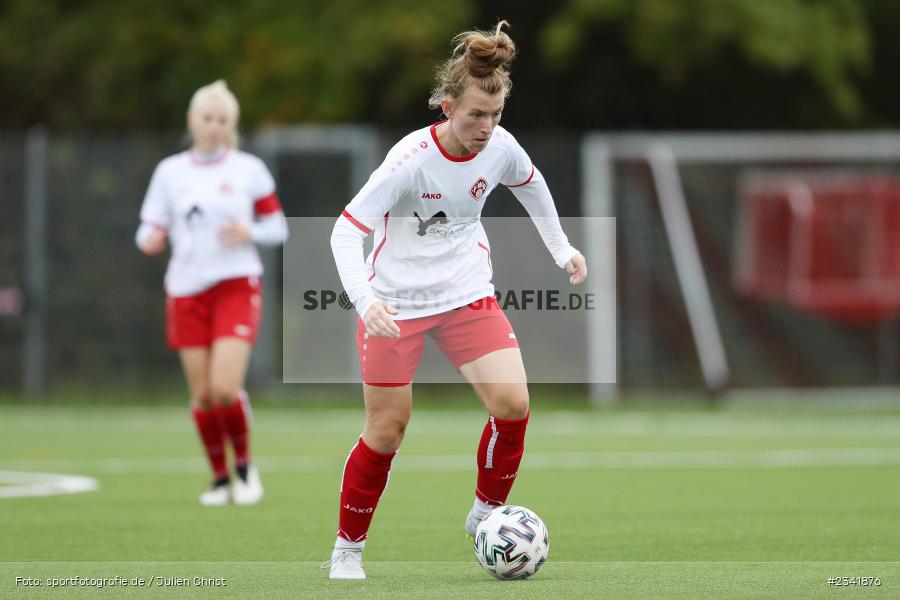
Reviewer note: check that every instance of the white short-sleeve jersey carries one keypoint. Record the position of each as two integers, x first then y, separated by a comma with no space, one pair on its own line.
193,200
423,205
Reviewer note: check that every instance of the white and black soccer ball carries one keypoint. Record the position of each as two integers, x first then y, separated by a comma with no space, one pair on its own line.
511,543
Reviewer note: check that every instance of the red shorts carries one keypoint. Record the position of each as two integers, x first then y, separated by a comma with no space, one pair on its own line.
231,308
463,334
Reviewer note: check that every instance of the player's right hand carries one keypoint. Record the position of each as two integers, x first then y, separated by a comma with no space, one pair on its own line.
378,321
155,242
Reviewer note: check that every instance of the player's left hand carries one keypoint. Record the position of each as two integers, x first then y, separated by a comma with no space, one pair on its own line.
235,233
577,267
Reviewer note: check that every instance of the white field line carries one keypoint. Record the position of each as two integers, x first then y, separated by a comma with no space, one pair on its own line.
317,564
551,424
16,484
566,461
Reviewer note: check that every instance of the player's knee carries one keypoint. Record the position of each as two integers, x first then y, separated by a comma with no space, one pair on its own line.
392,432
222,393
386,433
201,396
510,402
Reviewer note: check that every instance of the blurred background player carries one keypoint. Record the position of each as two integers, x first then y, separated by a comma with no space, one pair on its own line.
214,203
430,274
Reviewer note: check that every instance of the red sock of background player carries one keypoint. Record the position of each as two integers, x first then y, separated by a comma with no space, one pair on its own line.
234,417
365,477
213,438
499,455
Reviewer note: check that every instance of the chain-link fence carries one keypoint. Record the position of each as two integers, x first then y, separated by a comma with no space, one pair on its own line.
93,311
767,343
100,301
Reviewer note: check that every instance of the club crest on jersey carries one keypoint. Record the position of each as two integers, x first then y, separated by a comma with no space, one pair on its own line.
428,196
478,188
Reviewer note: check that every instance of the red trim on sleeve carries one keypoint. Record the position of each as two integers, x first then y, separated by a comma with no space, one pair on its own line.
380,246
350,218
526,181
267,205
446,154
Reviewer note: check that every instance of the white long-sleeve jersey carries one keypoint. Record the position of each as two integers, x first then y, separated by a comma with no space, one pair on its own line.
193,199
431,253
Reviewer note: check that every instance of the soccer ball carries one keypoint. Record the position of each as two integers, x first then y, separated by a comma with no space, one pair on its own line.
511,543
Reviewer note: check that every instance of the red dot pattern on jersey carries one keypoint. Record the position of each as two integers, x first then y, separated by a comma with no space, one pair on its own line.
412,150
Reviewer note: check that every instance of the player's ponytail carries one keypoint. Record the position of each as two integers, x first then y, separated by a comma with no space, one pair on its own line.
218,91
479,58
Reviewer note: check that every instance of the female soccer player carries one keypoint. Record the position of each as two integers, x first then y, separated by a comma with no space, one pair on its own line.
430,273
214,203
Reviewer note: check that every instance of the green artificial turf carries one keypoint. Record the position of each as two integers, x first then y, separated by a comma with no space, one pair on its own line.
639,504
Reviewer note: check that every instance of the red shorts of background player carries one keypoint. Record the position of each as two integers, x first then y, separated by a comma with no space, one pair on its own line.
463,335
231,308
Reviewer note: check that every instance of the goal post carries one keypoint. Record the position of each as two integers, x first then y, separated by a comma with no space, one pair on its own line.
360,146
683,321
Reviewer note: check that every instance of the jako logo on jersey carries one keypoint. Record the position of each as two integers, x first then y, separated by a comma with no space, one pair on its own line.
478,188
427,196
359,510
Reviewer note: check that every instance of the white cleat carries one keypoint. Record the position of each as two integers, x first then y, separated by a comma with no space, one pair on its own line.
250,491
217,495
473,519
345,564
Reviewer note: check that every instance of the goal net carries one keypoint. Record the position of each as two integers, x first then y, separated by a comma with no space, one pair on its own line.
752,261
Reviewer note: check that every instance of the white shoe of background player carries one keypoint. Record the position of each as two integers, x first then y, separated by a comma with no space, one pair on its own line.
249,491
217,495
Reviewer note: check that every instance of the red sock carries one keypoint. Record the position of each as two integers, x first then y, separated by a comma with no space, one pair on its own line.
499,454
234,417
365,477
213,438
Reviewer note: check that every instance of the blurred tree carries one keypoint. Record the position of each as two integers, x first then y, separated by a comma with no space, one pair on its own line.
881,88
718,63
136,62
610,64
